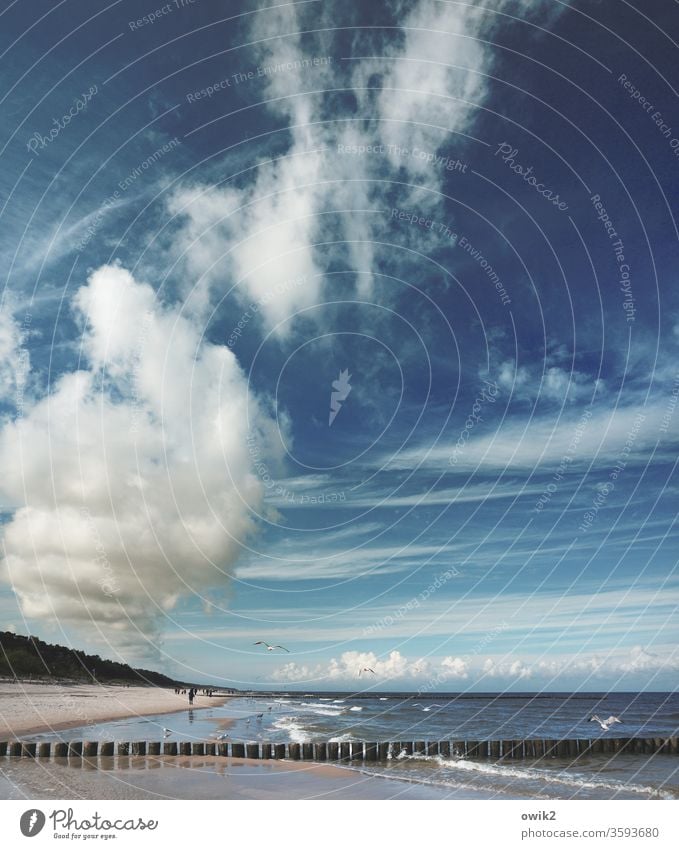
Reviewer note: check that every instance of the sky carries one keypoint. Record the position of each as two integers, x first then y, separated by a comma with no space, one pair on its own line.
352,328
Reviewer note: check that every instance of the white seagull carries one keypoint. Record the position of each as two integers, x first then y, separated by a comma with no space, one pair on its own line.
166,732
430,707
270,648
366,669
222,736
605,723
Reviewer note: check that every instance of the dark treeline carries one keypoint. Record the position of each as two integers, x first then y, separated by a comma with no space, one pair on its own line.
23,657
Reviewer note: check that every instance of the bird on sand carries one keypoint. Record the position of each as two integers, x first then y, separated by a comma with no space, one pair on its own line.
605,723
366,669
270,648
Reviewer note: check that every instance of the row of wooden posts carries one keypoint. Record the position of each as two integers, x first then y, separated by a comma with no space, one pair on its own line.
351,751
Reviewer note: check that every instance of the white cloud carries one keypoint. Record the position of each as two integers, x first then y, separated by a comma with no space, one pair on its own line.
14,357
433,673
131,481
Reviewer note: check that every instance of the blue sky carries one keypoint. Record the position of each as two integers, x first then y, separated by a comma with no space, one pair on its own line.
208,217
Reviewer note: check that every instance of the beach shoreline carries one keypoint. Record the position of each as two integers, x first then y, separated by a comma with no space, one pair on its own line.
31,708
209,777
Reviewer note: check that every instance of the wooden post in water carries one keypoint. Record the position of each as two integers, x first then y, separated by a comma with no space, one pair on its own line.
573,748
154,748
60,749
238,750
320,751
3,748
169,748
494,749
123,749
408,748
472,749
674,745
432,749
266,751
371,752
44,750
223,750
562,748
294,751
90,748
15,749
279,751
444,748
75,749
419,747
345,751
28,750
356,751
139,747
333,751
307,751
659,744
252,751
383,751
198,748
458,748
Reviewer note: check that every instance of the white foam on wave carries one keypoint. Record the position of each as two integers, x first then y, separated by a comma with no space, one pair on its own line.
575,779
355,708
295,731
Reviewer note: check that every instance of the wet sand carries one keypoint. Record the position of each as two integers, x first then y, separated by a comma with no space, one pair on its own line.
35,708
200,778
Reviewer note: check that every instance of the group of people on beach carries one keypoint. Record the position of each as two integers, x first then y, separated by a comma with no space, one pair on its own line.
193,692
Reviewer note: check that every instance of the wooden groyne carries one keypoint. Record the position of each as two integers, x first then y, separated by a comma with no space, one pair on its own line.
349,752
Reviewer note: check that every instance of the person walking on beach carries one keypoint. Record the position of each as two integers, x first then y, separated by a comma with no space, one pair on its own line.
191,695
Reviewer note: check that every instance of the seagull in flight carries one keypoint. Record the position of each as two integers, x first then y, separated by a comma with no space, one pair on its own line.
270,648
605,723
166,732
222,736
426,709
260,715
366,669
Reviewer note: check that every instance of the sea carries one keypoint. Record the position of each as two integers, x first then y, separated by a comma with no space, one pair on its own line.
318,717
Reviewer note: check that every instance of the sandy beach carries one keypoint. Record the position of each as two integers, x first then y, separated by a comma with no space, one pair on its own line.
27,708
200,778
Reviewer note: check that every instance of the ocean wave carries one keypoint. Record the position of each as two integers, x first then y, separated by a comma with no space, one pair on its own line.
355,708
493,770
296,731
